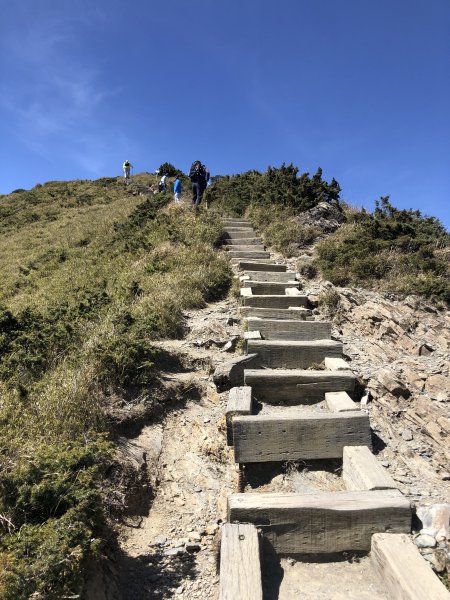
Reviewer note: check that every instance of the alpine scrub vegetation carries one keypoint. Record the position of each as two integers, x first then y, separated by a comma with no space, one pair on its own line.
93,274
391,249
281,186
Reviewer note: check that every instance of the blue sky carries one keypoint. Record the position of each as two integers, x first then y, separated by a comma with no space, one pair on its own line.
359,87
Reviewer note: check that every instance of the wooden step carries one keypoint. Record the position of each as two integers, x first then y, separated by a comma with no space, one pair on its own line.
245,248
295,313
238,234
250,241
235,225
274,301
293,355
295,386
308,436
322,522
406,574
240,566
243,231
269,276
247,254
235,220
276,329
270,288
260,266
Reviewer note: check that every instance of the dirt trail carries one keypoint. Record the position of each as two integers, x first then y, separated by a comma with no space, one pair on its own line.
172,552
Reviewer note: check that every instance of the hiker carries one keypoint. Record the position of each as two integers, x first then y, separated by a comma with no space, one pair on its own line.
162,184
177,189
126,168
198,176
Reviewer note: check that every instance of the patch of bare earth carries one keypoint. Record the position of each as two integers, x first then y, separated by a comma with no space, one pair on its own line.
172,550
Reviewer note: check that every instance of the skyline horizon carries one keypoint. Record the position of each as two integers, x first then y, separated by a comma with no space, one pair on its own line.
356,88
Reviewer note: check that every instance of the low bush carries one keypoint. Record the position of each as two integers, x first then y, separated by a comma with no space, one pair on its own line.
283,186
392,249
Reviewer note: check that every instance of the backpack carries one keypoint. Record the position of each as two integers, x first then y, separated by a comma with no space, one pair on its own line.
126,164
197,172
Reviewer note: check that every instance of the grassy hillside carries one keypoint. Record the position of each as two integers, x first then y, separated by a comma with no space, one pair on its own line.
93,272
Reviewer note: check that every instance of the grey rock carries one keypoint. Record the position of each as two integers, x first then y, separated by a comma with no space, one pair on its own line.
160,540
193,547
425,541
174,551
407,434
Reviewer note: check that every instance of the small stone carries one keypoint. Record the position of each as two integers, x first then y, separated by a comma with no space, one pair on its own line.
206,419
407,435
429,531
195,537
425,541
211,529
197,489
174,552
439,560
385,463
193,547
159,540
445,476
179,590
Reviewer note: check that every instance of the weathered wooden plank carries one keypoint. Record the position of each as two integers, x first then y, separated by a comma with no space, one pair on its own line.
293,355
247,254
269,276
260,266
244,247
233,231
240,567
269,287
336,364
235,220
236,234
275,301
362,471
246,292
231,373
295,386
324,522
252,335
292,291
276,329
295,313
340,402
405,573
239,403
278,437
250,241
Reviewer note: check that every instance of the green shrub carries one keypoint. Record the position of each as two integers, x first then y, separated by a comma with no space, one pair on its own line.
393,249
52,510
282,186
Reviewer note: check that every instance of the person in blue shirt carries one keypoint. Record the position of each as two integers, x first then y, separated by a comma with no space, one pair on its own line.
177,189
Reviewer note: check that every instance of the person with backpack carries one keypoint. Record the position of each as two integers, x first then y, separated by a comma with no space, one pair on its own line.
126,168
177,189
162,184
198,177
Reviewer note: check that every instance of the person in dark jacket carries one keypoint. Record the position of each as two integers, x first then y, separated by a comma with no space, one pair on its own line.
198,177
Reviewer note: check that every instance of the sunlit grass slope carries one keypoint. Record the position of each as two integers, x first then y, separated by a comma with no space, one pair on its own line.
92,274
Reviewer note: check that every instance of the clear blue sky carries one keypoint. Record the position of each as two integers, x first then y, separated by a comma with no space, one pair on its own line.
359,87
